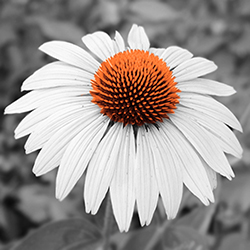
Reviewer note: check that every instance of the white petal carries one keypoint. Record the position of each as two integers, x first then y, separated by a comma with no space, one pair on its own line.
76,158
193,68
174,56
58,74
211,175
226,137
211,107
194,174
156,51
100,44
137,38
32,120
145,181
51,154
71,54
101,168
206,86
122,189
47,128
37,98
168,171
119,45
203,142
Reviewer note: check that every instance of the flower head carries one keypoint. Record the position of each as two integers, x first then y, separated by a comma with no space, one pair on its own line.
138,121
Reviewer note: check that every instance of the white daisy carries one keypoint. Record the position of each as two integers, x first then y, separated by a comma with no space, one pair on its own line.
139,122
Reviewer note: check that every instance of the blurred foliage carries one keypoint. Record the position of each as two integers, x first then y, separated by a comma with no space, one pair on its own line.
216,29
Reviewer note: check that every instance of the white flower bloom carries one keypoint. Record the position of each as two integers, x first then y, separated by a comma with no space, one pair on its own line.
139,124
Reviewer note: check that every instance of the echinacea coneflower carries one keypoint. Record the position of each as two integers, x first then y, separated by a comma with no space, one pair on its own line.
139,122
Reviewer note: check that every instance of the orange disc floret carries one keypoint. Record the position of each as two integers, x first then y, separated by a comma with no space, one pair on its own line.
135,87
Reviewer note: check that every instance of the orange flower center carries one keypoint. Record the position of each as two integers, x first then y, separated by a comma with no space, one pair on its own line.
135,87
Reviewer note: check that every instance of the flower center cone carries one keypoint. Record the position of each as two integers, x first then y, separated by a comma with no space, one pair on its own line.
135,87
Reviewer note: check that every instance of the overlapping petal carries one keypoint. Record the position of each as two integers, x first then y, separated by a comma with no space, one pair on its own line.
58,74
122,188
48,127
193,68
37,98
225,136
206,86
100,44
71,54
146,189
102,168
119,45
194,174
211,107
77,156
51,154
175,55
168,171
137,38
203,143
33,119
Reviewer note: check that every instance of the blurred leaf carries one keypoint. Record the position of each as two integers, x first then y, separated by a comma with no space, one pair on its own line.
109,13
139,239
221,5
184,237
203,44
61,235
91,245
57,29
7,247
235,194
119,240
245,136
154,11
226,64
235,241
198,219
241,46
244,7
174,237
39,204
8,33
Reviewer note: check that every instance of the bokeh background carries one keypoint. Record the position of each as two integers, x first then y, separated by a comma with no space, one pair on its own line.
216,29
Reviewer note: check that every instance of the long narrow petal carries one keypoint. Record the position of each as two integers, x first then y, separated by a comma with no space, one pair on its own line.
33,119
194,174
101,168
100,44
226,137
37,98
174,56
71,54
58,74
157,51
48,127
119,45
206,86
211,107
147,192
122,189
211,175
137,38
77,156
204,144
51,154
168,172
193,68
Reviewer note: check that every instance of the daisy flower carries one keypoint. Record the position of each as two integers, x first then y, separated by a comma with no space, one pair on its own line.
138,121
